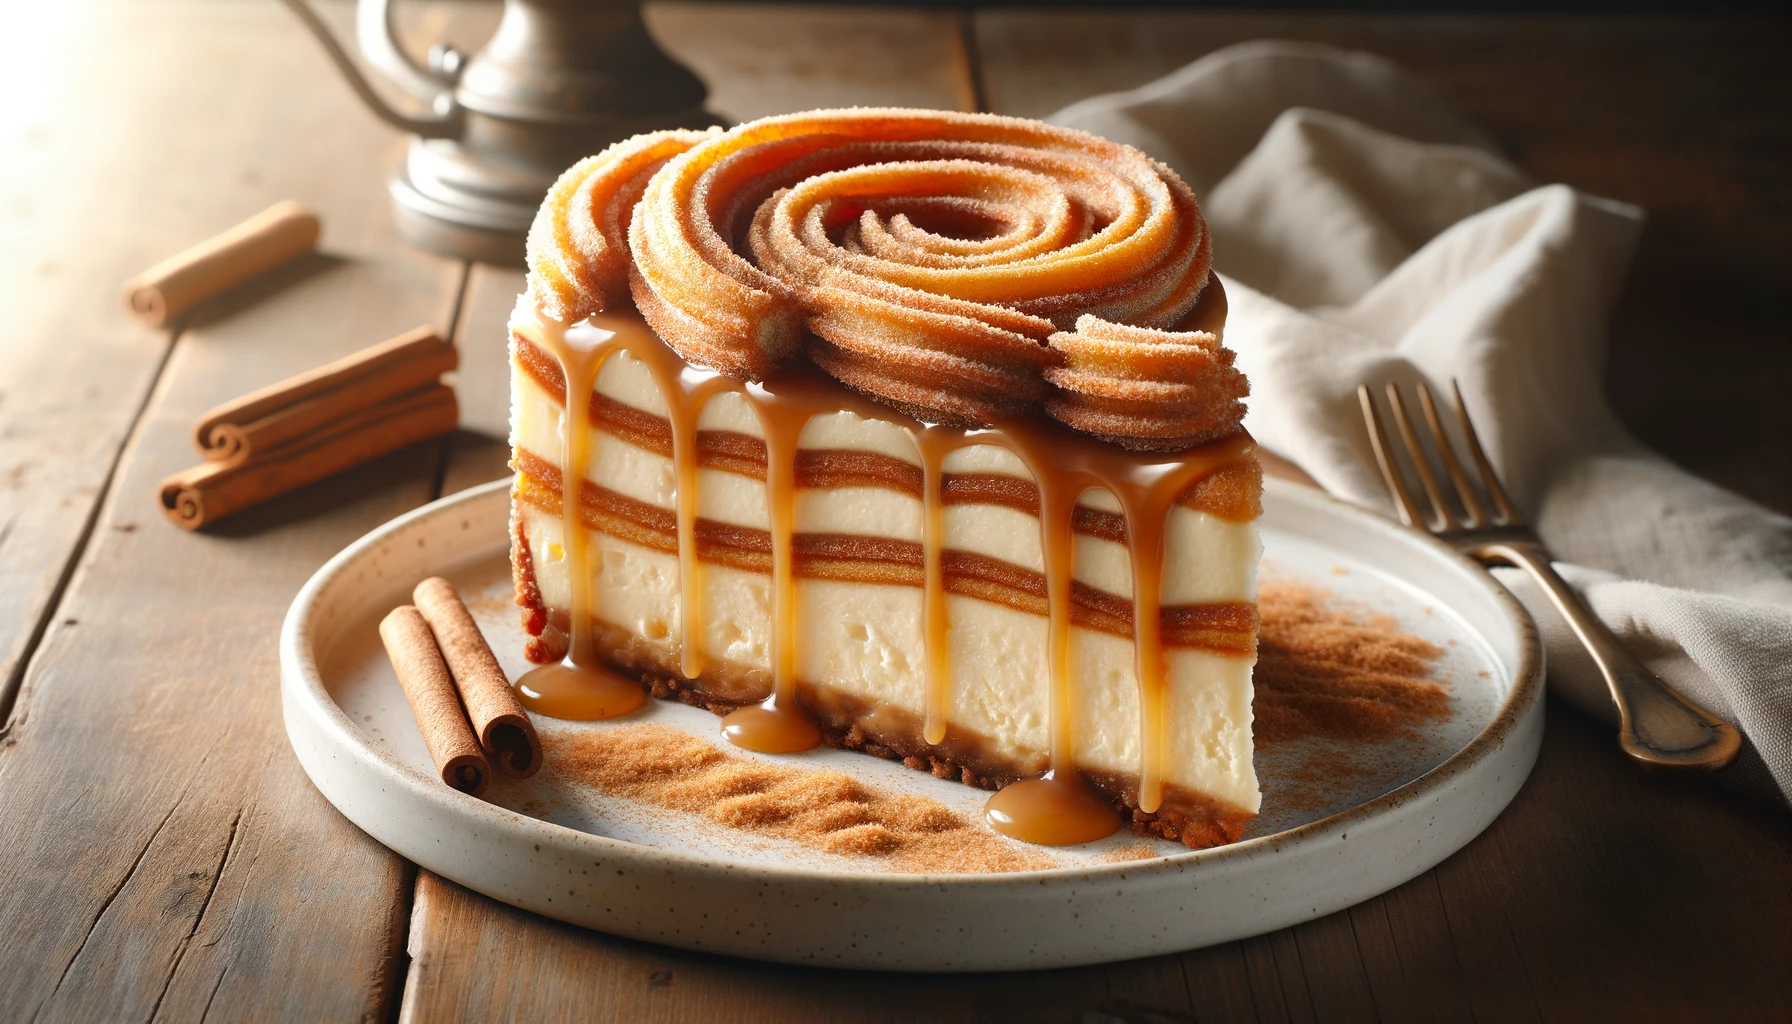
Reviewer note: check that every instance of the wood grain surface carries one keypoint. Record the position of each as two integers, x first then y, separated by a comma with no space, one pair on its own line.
74,369
161,854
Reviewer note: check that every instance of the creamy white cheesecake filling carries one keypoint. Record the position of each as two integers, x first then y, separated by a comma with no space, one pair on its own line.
865,639
1208,559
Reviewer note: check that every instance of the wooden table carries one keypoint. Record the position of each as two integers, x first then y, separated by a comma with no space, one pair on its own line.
161,853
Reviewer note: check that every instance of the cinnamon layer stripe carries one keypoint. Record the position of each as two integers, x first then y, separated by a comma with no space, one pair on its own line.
1233,492
1222,627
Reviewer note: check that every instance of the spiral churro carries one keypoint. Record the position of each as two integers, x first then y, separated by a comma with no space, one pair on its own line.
931,260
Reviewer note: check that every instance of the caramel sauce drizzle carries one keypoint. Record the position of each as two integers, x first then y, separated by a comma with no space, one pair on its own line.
934,444
581,686
779,726
1056,808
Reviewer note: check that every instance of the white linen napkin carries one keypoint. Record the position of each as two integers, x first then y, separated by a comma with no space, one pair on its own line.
1366,233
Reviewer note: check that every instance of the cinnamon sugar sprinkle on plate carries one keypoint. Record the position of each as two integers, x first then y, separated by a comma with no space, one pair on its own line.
825,810
1328,670
1331,670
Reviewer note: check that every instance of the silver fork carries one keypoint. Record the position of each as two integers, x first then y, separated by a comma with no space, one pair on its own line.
1657,725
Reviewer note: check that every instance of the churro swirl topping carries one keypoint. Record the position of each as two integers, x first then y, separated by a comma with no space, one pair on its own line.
1143,388
959,267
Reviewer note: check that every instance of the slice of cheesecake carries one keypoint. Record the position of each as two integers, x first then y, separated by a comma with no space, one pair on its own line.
903,430
860,659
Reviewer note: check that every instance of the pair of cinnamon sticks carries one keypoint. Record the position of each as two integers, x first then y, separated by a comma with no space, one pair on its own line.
318,423
458,693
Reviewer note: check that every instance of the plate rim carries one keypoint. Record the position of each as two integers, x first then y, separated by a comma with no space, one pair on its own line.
300,677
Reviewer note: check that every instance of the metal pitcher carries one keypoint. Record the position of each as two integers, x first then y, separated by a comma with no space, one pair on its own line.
559,80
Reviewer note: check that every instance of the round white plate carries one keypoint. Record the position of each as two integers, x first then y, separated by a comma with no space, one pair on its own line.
1339,825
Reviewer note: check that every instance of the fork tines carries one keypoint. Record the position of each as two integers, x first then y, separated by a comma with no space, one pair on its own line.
1441,516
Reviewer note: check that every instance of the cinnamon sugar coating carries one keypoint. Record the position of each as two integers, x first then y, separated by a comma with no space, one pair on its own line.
1143,388
578,244
921,257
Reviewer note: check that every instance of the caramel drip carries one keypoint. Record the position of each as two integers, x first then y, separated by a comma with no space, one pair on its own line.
779,726
1058,808
580,687
686,389
690,567
934,443
1147,498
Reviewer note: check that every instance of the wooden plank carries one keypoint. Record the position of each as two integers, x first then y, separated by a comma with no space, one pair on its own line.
74,370
761,59
1218,985
1332,963
1604,891
161,852
1685,117
1411,975
476,959
1278,963
1156,987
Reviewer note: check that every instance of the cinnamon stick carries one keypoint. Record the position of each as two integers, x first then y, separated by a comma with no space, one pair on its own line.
321,422
504,730
430,691
212,490
255,246
280,413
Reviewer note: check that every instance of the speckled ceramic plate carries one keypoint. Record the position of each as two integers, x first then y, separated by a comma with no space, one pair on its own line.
1340,822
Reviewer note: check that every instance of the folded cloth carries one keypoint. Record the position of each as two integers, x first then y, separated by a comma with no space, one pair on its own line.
1367,234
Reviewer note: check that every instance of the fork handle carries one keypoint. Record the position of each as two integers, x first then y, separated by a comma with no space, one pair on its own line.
1657,725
